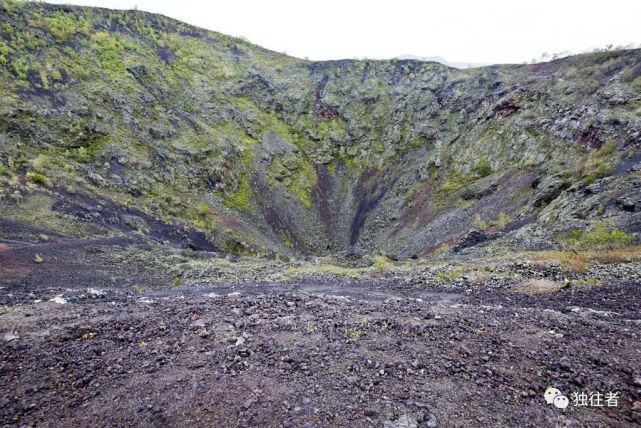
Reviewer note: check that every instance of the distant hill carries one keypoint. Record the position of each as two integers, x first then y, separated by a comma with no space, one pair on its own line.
444,61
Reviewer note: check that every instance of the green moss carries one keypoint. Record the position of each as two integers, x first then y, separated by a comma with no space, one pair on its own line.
203,209
331,168
455,181
287,240
194,57
89,153
296,174
81,155
322,269
44,79
239,199
4,52
607,149
302,184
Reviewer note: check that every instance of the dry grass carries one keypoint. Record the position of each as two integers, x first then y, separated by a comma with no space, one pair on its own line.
327,269
579,261
539,286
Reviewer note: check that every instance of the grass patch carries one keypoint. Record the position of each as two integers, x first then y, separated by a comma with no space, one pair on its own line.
478,223
239,200
579,261
381,263
63,25
37,178
456,181
441,250
482,168
449,275
328,269
601,235
109,51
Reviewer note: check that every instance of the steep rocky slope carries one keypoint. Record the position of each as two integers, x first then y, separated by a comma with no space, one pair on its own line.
118,123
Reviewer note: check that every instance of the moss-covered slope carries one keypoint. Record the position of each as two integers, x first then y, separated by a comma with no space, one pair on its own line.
129,122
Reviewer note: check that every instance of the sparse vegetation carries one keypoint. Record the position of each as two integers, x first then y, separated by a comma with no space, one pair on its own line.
441,250
601,235
108,49
353,334
450,274
502,221
63,25
37,178
478,223
579,261
382,263
321,269
482,168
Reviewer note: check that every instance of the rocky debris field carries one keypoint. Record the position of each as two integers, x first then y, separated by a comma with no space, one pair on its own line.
197,231
326,350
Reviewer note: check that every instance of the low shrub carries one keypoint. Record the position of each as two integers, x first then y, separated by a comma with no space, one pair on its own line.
381,263
37,178
601,235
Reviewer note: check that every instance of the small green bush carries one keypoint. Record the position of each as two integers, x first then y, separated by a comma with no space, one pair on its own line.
20,68
627,75
478,223
381,263
37,178
482,168
203,209
81,155
503,220
41,163
601,170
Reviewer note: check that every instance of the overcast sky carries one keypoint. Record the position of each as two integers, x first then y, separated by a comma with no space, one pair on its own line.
468,31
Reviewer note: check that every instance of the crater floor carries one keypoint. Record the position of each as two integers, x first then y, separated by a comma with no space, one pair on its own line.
321,351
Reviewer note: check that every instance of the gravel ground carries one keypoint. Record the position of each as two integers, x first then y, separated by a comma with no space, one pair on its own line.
112,345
